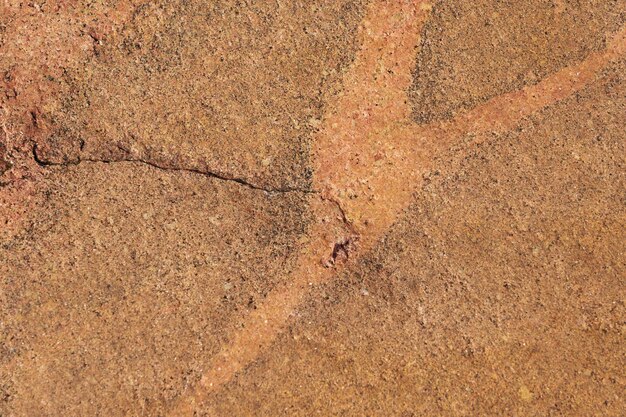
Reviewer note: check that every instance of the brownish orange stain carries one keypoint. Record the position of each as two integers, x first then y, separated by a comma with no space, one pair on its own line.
369,158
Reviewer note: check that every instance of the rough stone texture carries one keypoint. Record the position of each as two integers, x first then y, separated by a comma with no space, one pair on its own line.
312,208
473,51
233,87
124,264
500,292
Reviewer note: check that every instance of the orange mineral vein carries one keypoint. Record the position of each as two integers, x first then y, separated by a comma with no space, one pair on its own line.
373,96
369,158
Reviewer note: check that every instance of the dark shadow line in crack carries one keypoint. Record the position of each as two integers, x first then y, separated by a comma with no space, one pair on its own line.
45,163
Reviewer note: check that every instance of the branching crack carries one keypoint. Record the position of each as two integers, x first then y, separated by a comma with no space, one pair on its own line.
45,163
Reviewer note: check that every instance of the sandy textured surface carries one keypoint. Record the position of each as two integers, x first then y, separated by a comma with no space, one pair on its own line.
347,207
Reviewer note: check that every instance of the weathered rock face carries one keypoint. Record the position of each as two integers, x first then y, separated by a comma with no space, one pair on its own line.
292,207
230,88
123,264
473,51
498,289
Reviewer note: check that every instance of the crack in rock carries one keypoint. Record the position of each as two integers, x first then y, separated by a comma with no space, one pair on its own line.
45,163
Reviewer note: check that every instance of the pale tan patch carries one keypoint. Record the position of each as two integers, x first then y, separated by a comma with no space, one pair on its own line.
525,393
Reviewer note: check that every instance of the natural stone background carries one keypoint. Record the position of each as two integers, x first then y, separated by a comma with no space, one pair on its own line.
157,186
